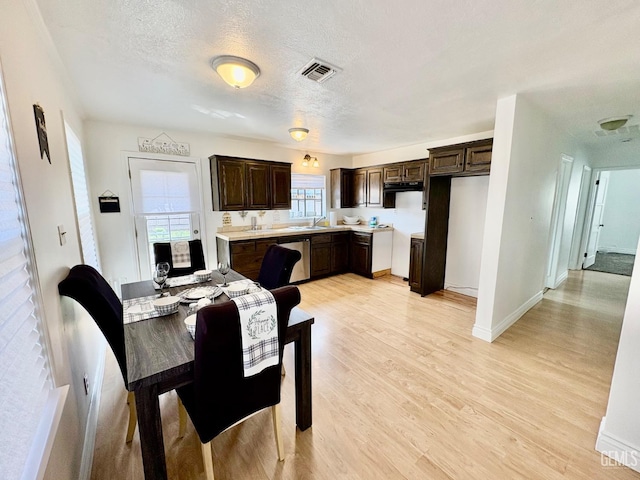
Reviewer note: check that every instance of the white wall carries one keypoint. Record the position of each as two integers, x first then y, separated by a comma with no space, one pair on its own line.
619,435
107,144
32,75
615,155
465,228
621,217
527,149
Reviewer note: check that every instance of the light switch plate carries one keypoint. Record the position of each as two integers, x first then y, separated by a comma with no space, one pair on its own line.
62,235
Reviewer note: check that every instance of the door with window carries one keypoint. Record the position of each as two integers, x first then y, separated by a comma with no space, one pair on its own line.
166,204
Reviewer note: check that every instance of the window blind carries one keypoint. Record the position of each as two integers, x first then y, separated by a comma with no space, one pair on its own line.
24,370
163,186
300,180
81,199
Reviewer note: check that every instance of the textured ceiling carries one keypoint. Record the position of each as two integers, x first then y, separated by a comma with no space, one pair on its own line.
412,70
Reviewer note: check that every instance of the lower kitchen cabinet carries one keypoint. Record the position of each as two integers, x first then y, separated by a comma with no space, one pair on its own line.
320,254
360,253
415,265
339,253
245,257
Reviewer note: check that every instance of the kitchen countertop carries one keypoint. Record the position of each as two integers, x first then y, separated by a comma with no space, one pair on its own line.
296,231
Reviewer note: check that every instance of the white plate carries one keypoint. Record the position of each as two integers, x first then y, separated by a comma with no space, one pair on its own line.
197,293
202,272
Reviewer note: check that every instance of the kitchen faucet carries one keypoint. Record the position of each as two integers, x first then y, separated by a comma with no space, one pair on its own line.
316,221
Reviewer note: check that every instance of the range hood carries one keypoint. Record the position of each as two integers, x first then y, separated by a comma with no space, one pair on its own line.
404,187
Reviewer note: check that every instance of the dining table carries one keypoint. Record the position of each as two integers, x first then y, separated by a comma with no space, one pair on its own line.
160,358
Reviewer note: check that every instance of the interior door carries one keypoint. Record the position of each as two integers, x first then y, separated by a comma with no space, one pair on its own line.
601,186
554,270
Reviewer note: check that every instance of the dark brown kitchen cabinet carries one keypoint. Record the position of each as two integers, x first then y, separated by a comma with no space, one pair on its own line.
360,188
245,256
374,187
232,185
320,254
473,158
339,252
258,177
341,188
360,254
404,172
281,187
247,184
415,265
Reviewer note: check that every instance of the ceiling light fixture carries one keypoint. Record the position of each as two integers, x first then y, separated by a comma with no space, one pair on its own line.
298,133
237,72
614,123
316,164
305,160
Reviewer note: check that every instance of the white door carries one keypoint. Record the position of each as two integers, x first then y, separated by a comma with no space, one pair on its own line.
166,204
601,186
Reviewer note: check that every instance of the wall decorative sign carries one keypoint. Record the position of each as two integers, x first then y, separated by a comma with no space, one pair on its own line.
163,143
41,129
109,203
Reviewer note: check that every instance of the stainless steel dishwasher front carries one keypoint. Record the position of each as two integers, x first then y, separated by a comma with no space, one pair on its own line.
302,269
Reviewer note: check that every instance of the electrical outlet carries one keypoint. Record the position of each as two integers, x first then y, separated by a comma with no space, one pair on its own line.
85,380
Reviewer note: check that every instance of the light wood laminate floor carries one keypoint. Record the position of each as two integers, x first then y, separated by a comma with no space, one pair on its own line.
401,390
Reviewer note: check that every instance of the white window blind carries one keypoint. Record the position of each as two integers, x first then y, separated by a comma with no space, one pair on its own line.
163,186
24,370
81,199
299,180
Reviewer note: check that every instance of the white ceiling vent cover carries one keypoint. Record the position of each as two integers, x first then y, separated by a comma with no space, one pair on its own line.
631,130
318,70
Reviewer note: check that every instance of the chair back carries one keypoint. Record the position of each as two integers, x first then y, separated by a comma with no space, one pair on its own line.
221,395
162,253
277,266
86,286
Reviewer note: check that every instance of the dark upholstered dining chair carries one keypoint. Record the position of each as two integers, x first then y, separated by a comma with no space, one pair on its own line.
86,286
277,265
220,396
162,253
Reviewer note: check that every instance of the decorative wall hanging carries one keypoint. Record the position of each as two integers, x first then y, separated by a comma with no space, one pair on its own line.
41,129
226,219
109,203
163,143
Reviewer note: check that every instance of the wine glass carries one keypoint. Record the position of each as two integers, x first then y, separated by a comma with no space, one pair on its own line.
223,268
160,274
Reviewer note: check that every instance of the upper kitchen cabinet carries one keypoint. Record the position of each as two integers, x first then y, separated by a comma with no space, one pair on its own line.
374,187
405,172
341,188
473,158
247,184
360,187
281,186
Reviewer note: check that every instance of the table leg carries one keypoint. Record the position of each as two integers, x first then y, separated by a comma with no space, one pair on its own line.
150,426
302,347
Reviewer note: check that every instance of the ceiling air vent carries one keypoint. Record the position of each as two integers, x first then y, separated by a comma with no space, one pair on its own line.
318,70
631,130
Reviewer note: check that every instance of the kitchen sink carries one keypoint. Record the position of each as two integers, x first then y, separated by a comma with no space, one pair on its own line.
305,227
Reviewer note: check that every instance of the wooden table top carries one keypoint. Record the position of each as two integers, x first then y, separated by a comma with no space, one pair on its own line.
160,350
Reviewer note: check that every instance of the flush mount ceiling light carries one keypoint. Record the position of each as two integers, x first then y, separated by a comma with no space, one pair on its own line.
613,123
298,133
237,72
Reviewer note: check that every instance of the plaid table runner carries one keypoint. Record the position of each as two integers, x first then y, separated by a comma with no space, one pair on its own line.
136,309
181,281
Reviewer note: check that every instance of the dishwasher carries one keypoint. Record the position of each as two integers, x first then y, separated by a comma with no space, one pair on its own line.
301,270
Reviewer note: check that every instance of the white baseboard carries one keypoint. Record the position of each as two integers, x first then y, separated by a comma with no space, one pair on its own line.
561,278
92,421
469,291
489,335
616,449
